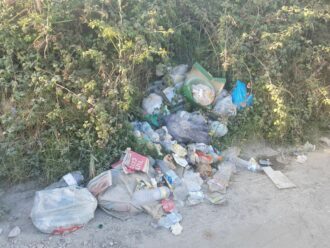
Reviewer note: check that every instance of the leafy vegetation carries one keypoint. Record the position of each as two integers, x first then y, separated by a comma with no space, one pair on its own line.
72,72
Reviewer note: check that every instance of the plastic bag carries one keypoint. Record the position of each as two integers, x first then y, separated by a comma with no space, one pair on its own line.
221,178
240,96
224,107
100,183
62,210
178,73
119,196
74,178
199,91
152,103
188,127
218,129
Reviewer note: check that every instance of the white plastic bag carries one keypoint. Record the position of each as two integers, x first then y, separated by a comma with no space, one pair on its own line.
62,210
225,107
152,103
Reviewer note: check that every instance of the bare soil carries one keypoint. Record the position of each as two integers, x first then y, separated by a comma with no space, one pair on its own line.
256,214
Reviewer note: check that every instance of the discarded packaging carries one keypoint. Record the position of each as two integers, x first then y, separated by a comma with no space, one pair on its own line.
180,161
178,73
147,196
199,91
278,178
218,129
188,127
100,183
176,229
62,210
224,107
133,162
168,205
152,104
179,150
195,198
205,170
170,220
301,159
221,178
240,96
193,181
71,179
325,140
216,198
14,232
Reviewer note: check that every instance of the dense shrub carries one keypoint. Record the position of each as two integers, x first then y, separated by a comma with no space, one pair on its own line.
72,72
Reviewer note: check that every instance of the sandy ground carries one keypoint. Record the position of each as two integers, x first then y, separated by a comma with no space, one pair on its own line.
256,214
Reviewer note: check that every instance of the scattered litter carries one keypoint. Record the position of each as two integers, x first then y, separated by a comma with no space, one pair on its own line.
241,98
325,140
168,205
14,232
62,210
178,73
301,159
188,127
218,129
195,197
152,104
71,179
160,187
224,106
100,183
216,198
176,229
179,150
170,220
133,162
265,162
308,147
279,179
180,161
221,178
147,196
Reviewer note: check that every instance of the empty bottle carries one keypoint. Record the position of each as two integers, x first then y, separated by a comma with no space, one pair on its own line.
147,196
220,180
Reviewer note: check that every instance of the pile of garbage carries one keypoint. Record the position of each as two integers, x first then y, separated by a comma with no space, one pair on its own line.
190,171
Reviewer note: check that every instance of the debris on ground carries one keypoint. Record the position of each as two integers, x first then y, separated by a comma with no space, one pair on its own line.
325,140
279,179
301,159
74,178
62,210
192,171
14,232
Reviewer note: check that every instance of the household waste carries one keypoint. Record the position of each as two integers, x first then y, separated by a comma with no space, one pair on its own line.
188,170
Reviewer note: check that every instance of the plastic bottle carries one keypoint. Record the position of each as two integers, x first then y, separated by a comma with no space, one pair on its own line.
220,180
146,196
170,174
251,165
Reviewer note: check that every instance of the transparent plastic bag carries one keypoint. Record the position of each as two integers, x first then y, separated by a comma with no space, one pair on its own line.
188,127
62,210
224,107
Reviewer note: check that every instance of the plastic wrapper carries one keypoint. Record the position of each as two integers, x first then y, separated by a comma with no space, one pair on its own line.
188,127
62,210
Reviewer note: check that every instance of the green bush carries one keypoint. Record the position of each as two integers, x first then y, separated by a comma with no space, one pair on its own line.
72,72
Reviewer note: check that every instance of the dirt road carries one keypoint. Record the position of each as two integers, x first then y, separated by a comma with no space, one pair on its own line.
256,215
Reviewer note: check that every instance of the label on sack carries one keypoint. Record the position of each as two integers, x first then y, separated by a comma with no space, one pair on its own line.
69,179
133,162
